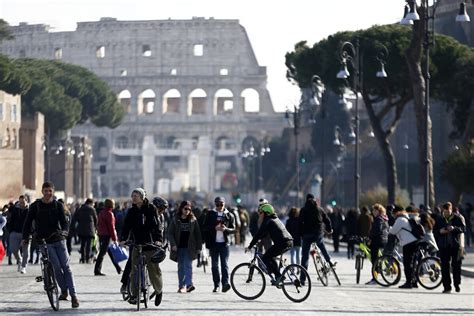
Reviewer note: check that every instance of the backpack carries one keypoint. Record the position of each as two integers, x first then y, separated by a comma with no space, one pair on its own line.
417,230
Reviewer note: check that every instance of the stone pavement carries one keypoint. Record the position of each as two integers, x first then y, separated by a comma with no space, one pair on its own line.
21,295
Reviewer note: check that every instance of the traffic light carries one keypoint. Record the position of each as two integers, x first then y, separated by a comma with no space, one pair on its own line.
333,203
237,198
302,158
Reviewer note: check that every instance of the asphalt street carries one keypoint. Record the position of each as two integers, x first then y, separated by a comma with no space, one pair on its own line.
99,295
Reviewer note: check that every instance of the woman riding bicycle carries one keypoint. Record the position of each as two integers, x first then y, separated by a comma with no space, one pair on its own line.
281,238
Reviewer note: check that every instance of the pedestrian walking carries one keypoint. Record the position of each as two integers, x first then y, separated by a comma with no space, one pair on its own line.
184,237
219,224
85,223
20,251
292,227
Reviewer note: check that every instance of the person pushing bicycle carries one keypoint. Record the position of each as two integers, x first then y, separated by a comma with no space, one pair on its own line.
143,224
281,238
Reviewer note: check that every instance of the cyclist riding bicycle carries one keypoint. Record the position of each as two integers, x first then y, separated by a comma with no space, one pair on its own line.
142,222
282,240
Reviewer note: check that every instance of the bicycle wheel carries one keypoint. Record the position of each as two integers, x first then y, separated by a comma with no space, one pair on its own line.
247,281
51,287
292,286
358,267
333,271
319,266
145,291
428,273
386,271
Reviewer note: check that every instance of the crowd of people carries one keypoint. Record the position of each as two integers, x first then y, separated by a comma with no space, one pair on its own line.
188,229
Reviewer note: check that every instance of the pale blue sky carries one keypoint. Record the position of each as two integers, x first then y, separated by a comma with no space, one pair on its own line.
273,26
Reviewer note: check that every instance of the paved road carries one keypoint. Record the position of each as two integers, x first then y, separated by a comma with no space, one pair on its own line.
21,295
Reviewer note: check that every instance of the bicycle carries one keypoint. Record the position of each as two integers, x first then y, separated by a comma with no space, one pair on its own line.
362,253
248,281
47,277
427,268
386,269
323,268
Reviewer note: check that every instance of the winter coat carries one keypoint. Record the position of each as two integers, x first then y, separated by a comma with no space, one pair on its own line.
402,229
50,221
210,223
311,220
452,239
85,221
106,226
274,228
379,231
293,228
194,241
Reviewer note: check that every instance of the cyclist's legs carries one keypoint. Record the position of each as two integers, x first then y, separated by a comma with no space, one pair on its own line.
128,269
322,247
154,272
305,246
269,257
60,259
133,283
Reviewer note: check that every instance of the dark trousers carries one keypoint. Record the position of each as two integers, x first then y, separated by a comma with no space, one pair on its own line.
449,256
335,239
408,253
104,248
306,245
220,250
128,268
272,252
350,249
86,248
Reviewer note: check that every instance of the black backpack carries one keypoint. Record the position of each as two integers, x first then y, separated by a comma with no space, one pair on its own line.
417,229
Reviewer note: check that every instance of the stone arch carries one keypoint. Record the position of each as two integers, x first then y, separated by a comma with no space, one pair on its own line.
197,102
171,101
223,102
146,102
100,149
125,99
248,142
250,100
122,142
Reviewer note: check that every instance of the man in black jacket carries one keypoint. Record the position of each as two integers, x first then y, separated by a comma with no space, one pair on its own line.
18,214
311,220
143,225
218,225
52,226
447,230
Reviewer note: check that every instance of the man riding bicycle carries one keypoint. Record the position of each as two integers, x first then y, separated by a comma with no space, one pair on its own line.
282,240
142,222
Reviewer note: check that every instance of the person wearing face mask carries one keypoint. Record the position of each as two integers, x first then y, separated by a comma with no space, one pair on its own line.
218,225
185,238
143,226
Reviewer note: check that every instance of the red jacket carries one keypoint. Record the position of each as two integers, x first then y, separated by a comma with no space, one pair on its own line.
106,226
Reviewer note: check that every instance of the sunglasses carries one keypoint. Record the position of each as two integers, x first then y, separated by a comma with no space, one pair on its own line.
219,204
187,209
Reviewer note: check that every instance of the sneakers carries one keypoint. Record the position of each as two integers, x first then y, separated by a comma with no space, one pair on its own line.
225,288
99,274
405,286
63,296
132,300
182,290
457,288
158,299
447,291
123,289
74,302
190,288
371,282
23,270
216,288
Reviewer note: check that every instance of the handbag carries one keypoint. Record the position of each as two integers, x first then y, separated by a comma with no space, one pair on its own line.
118,253
2,251
174,255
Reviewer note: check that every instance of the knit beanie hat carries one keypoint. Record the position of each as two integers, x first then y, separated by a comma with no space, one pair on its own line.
141,192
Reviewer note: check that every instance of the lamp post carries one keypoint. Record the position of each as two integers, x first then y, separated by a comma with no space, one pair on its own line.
318,93
296,127
349,53
263,148
408,18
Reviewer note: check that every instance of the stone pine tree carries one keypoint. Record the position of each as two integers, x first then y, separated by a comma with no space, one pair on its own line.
384,99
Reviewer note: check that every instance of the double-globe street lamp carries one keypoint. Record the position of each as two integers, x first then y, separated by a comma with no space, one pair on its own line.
411,15
258,153
350,55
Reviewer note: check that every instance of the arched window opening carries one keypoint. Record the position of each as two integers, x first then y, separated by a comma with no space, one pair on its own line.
197,102
125,99
100,149
223,102
171,101
250,100
146,102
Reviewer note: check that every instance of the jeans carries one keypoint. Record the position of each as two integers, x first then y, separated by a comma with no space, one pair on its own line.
306,245
220,251
295,254
15,244
185,268
59,257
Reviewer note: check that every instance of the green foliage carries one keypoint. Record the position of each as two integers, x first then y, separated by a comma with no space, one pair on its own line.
458,169
378,194
67,95
5,33
12,80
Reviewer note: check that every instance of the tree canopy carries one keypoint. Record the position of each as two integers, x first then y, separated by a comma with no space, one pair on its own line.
67,95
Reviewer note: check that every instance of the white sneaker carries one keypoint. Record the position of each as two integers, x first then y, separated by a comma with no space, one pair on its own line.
23,270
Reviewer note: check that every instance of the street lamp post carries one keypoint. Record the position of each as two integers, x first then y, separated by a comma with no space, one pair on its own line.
349,53
411,16
296,126
318,93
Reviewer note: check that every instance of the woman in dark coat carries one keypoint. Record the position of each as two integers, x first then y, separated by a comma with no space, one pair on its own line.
85,223
184,237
